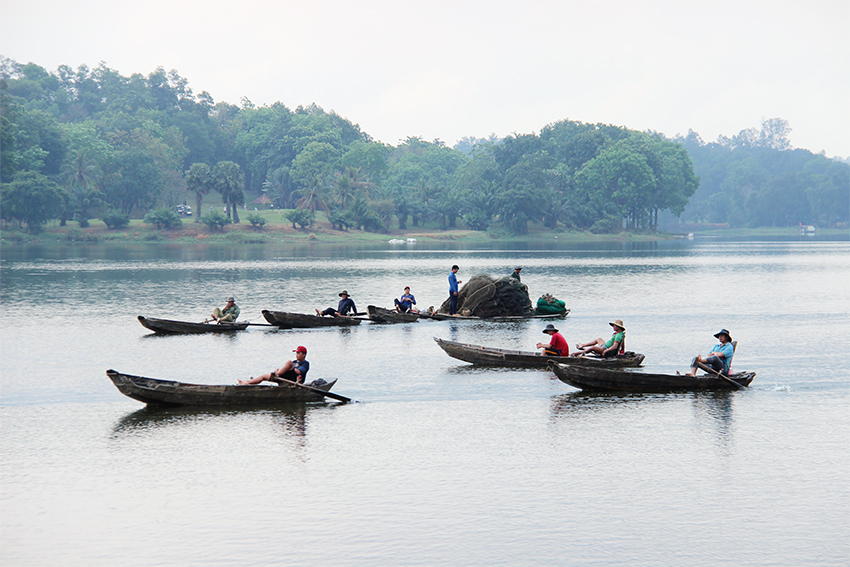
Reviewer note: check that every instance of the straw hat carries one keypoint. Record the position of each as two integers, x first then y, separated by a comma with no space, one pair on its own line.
618,323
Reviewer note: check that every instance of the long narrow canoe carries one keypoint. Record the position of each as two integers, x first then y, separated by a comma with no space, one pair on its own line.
504,319
168,392
168,327
501,357
381,315
286,320
612,380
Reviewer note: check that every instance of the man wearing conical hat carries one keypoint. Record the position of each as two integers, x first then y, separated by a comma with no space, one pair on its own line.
612,347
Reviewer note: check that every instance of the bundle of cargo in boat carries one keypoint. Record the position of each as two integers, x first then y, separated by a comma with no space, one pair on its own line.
485,296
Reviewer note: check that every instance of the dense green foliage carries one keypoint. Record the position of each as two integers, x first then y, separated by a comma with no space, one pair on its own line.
754,179
84,143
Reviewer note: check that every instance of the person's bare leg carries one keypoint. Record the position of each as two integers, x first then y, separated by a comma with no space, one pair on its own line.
257,380
581,346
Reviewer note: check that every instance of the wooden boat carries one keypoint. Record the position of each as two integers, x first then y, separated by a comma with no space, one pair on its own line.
613,380
167,392
504,319
286,320
168,327
382,315
501,357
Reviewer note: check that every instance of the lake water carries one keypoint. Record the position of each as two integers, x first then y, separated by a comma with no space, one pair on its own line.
440,462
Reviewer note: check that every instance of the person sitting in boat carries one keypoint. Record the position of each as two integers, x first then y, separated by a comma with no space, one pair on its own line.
612,347
292,370
406,303
227,315
515,275
346,304
557,343
720,356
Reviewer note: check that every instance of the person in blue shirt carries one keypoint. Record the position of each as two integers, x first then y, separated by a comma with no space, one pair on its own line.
453,290
406,302
292,370
720,356
346,305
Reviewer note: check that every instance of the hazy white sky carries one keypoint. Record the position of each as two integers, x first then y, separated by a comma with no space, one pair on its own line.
449,69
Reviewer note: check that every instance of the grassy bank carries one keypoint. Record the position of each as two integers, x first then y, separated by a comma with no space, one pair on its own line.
279,230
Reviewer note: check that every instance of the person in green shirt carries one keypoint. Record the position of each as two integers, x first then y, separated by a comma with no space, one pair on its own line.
227,315
612,347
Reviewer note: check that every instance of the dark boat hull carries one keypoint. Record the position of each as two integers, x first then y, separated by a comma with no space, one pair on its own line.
167,392
382,315
505,319
502,357
286,320
611,380
168,327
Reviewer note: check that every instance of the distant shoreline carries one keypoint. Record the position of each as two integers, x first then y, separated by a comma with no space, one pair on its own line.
244,233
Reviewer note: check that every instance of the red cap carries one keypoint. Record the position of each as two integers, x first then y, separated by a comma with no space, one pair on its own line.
301,349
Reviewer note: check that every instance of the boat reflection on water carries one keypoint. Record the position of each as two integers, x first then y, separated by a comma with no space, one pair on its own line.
711,409
290,420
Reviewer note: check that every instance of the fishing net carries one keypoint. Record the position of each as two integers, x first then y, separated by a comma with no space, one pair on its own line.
485,296
550,305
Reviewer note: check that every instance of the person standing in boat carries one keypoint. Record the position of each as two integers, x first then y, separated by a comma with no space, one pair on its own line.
612,347
227,315
292,370
346,304
453,289
515,275
557,343
720,356
406,302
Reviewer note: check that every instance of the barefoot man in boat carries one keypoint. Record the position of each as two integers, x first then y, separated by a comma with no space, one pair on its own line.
557,344
611,347
406,303
720,356
346,304
292,370
227,315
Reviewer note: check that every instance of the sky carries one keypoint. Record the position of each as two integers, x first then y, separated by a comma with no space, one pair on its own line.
450,69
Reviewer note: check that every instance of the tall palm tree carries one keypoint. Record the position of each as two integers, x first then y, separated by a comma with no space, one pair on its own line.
312,196
350,183
278,186
229,181
199,182
80,175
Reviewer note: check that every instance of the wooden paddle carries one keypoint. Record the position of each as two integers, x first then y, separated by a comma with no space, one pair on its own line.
312,389
720,375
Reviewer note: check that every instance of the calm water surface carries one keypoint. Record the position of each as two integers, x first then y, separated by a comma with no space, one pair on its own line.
440,462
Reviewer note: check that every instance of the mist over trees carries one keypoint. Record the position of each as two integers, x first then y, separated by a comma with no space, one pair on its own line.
90,143
756,179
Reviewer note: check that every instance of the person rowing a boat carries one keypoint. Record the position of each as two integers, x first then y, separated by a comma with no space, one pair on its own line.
346,304
557,344
227,315
612,347
720,356
292,370
406,303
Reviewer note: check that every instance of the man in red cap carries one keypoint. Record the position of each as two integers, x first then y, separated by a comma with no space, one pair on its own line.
292,370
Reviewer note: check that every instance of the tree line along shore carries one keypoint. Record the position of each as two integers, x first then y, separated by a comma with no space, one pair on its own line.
89,147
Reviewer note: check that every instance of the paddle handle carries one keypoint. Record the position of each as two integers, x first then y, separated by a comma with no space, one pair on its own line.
720,375
280,380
